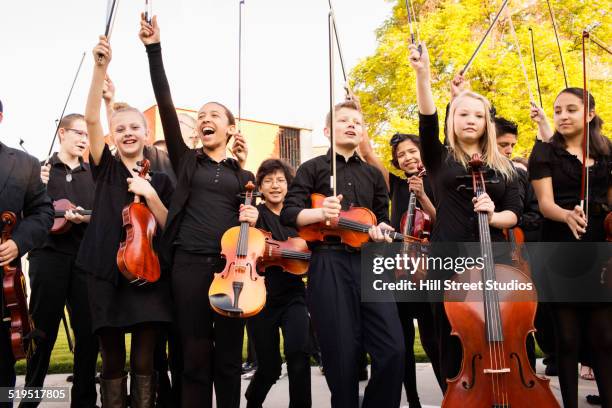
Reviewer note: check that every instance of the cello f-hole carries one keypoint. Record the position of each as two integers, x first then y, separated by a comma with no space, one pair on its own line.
469,385
529,384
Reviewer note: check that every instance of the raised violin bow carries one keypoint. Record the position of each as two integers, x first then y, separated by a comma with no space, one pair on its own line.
518,50
64,109
584,179
110,21
535,66
554,24
349,91
469,63
148,11
240,40
332,179
411,17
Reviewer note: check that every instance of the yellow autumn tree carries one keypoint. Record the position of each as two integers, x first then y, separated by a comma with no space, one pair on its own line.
451,29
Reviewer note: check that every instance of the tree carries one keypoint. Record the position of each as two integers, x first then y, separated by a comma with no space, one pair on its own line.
451,29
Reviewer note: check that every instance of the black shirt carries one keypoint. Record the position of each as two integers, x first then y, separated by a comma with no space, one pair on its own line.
360,184
192,167
79,191
400,197
281,286
456,220
212,207
98,252
160,162
551,160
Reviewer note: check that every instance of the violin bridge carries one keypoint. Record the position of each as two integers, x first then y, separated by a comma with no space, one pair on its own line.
496,371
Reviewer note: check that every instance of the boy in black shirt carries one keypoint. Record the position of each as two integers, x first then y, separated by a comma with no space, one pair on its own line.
54,278
344,325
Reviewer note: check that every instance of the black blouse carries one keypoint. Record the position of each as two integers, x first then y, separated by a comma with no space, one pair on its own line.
456,220
400,197
281,286
98,251
550,160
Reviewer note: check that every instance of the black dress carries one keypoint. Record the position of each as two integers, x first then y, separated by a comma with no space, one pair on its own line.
114,302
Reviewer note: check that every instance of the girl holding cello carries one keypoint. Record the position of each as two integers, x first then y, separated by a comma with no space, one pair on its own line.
206,204
406,156
469,131
555,169
118,307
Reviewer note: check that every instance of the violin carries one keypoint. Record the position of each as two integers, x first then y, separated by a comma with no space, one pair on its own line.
61,225
292,255
493,327
239,291
136,258
415,222
351,226
15,298
416,227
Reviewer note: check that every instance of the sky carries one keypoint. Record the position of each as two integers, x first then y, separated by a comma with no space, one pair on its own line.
285,58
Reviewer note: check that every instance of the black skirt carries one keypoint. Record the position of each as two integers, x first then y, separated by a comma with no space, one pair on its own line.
126,305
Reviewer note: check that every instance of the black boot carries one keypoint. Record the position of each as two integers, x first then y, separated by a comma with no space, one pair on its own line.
113,392
142,391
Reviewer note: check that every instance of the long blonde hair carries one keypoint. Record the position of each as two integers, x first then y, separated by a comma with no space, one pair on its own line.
488,140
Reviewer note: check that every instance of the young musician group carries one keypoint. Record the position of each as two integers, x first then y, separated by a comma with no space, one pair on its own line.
79,267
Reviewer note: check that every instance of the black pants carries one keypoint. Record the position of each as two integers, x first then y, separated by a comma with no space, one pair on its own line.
408,311
55,282
168,389
345,326
292,318
211,344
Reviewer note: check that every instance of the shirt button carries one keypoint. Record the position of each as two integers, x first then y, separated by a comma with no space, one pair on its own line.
350,184
216,181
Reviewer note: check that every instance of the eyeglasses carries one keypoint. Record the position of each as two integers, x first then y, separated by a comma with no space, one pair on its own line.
78,132
272,181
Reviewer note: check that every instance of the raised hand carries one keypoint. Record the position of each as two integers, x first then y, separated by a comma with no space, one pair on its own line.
102,52
108,91
149,33
458,84
419,59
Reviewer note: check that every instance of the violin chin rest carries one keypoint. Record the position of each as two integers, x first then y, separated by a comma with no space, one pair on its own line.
223,302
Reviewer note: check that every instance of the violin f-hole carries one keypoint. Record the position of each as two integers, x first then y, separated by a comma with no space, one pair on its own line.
529,384
470,384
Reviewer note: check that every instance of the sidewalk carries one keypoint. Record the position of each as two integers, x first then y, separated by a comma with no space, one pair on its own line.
279,394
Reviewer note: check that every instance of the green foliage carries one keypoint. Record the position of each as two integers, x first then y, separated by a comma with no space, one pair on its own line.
452,29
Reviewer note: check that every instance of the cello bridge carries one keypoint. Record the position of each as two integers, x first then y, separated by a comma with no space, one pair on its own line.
496,371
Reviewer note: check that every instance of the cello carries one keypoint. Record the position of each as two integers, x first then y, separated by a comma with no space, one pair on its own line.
493,327
136,257
292,255
238,290
15,298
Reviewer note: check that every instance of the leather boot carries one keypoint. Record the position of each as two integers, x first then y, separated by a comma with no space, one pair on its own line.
142,391
113,392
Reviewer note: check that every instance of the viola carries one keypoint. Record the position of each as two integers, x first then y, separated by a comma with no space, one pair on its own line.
61,225
15,299
351,226
239,291
493,327
292,255
136,258
415,222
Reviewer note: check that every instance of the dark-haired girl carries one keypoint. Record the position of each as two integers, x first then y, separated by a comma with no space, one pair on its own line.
406,156
555,169
205,205
285,303
118,307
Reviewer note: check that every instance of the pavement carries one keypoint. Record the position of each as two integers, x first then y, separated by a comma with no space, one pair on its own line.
279,395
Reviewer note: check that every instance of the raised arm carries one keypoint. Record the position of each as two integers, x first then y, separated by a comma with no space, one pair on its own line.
370,156
420,64
545,133
150,36
102,56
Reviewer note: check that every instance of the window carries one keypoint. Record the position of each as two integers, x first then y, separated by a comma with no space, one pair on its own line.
289,145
